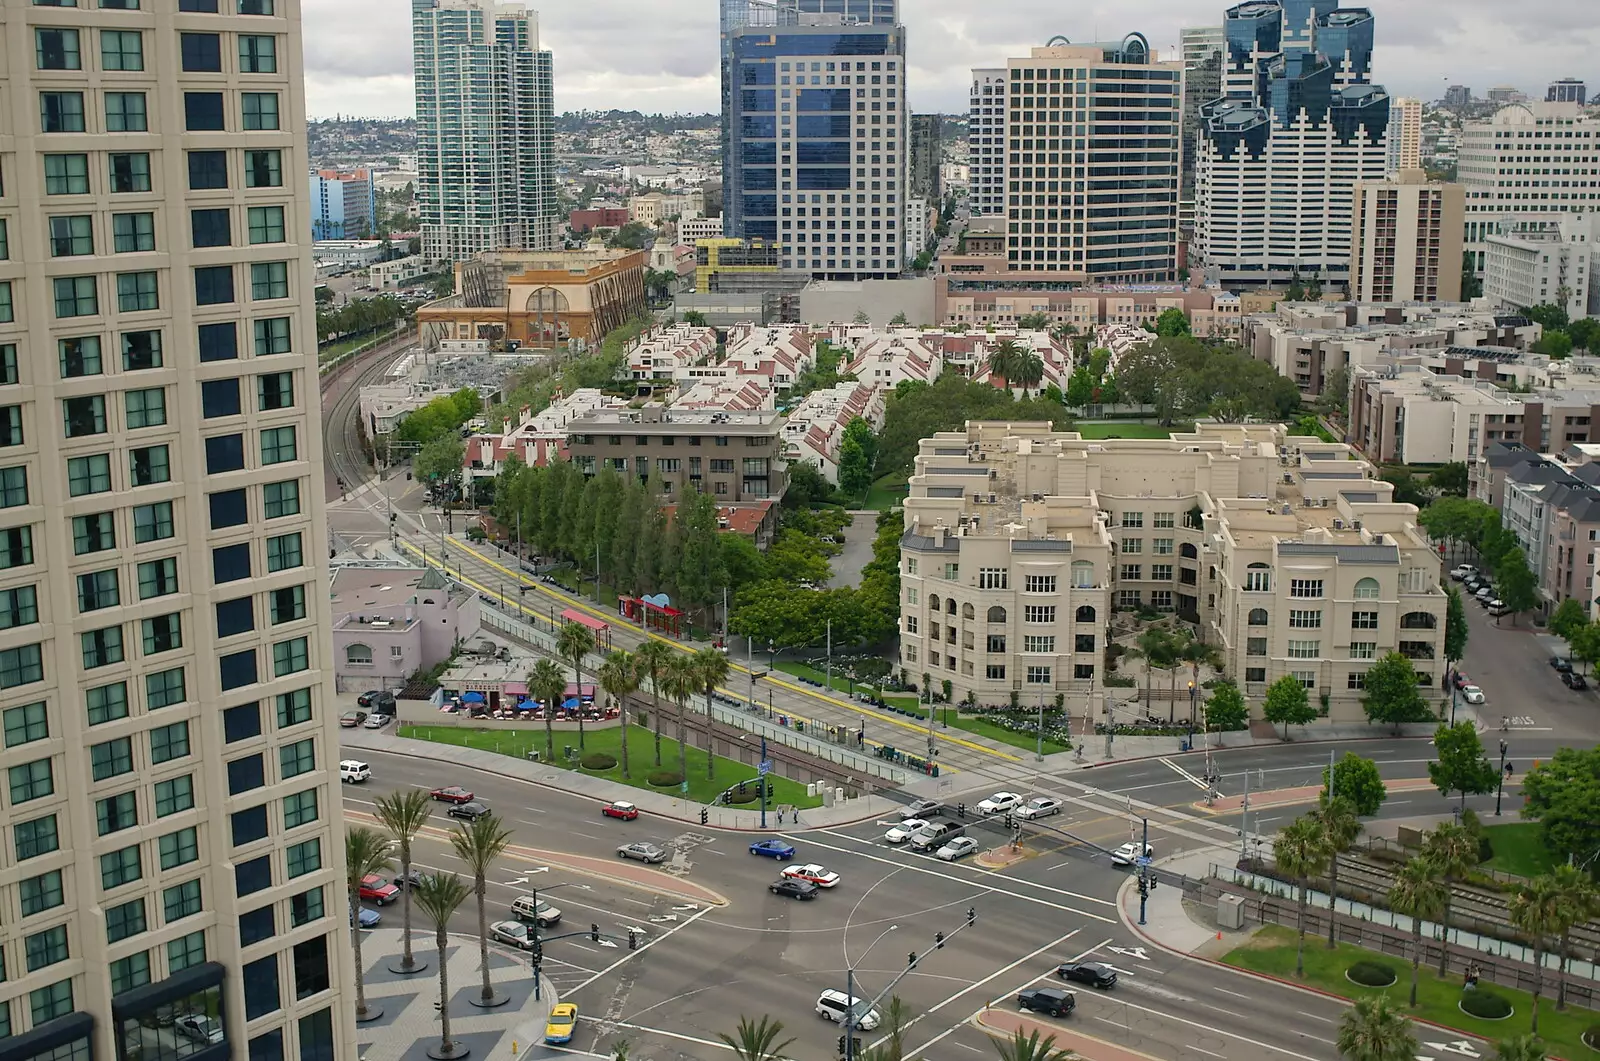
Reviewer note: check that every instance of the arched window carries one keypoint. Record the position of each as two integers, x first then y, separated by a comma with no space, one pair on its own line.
968,612
950,606
1085,614
1188,551
1367,589
359,655
1258,578
997,614
933,603
1258,617
1417,621
1082,574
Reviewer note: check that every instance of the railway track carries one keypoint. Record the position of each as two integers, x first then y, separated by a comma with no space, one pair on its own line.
344,453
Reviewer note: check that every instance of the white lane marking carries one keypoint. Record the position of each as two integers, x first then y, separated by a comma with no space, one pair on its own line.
1313,1016
949,874
653,1031
1221,1032
646,945
1203,1050
1235,994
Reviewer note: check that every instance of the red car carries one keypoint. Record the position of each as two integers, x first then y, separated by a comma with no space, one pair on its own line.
619,809
452,794
378,889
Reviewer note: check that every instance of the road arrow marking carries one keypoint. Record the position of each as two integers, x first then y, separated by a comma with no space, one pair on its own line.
1459,1046
635,928
664,918
1132,952
686,909
607,943
518,880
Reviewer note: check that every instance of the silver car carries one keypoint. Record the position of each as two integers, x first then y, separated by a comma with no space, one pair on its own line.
647,853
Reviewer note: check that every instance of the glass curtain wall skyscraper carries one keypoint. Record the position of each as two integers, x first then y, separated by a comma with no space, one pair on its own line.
485,129
815,133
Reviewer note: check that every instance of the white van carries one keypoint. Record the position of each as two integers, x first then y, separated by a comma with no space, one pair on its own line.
351,770
832,1005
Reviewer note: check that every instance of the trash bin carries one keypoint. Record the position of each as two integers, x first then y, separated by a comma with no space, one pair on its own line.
1184,745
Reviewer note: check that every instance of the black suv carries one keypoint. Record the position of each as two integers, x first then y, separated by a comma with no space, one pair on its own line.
1092,973
1047,1000
1573,681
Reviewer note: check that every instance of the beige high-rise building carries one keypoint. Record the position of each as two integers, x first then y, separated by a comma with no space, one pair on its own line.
172,854
1405,134
1406,240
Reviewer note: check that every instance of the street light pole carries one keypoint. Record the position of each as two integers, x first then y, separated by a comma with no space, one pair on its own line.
1501,788
850,995
538,948
1038,744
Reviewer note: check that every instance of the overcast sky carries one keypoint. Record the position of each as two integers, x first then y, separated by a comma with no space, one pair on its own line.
661,55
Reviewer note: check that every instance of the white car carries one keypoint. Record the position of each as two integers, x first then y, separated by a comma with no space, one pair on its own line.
822,878
999,803
1039,807
960,847
904,831
376,721
1124,855
198,1028
1459,573
1472,694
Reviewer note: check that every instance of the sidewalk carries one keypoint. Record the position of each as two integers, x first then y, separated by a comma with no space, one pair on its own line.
658,804
1005,1022
407,1024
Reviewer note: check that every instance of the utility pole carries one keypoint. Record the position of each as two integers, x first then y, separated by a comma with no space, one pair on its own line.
1038,744
1244,819
829,664
1144,869
761,780
1500,789
750,667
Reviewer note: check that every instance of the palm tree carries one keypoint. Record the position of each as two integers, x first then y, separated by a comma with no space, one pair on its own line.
547,683
404,814
896,1018
1029,1047
757,1042
1455,851
1579,903
574,643
366,851
619,676
1337,817
1374,1029
680,682
1301,851
1419,892
1029,369
478,844
1003,360
1537,910
1519,1048
711,669
440,895
653,659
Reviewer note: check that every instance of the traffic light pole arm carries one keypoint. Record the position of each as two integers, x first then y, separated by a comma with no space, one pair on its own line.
962,927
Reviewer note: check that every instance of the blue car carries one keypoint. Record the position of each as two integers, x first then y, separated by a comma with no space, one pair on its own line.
369,918
773,849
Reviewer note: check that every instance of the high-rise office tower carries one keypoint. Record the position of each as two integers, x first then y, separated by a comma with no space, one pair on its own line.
986,143
1405,135
1457,96
343,205
485,128
1279,156
1202,82
173,845
1525,167
927,158
816,147
1406,240
1567,90
1092,134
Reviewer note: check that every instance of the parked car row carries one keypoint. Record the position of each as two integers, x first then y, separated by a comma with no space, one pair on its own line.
1569,678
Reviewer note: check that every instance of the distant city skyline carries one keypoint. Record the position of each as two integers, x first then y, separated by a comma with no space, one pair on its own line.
358,52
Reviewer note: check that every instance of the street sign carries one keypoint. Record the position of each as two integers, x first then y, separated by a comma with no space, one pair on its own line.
1142,860
764,767
684,788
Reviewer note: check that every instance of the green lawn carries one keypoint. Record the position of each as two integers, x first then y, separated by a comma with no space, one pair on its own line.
1272,950
886,493
641,751
1131,429
1518,849
983,727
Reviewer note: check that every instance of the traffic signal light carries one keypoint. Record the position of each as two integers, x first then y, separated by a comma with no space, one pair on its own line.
538,952
594,933
911,959
1152,883
938,940
633,940
705,816
1010,824
961,810
972,914
1144,888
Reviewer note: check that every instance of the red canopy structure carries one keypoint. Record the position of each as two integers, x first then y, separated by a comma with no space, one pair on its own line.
658,617
600,628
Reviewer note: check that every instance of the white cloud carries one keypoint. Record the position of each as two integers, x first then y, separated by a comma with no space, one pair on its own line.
661,55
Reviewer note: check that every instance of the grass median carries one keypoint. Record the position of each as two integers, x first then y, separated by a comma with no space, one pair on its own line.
1272,951
1519,848
516,743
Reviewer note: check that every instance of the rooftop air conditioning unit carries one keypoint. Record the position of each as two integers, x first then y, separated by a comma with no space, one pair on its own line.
993,499
1036,497
1338,524
1356,524
1322,502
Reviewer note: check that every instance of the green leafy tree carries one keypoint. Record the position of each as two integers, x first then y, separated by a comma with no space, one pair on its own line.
1584,645
757,1041
1517,585
1172,321
1374,1029
1520,1048
806,485
1454,849
1460,764
1537,910
1568,618
1034,322
1080,387
900,320
1455,627
619,677
1580,903
1301,851
1449,479
1337,819
440,895
855,476
742,561
1553,344
1335,396
1287,704
695,318
548,684
1471,286
1457,520
366,851
1225,709
404,813
440,461
1419,892
478,843
1562,794
1356,779
701,575
1392,696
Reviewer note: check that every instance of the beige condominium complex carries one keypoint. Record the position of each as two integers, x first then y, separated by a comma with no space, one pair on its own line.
171,869
733,456
1288,551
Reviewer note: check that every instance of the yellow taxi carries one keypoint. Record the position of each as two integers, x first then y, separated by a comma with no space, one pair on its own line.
558,1029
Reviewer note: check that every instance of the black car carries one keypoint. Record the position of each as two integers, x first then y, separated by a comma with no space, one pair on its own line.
1047,1000
794,889
381,699
1561,665
1092,973
471,811
409,880
1573,681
